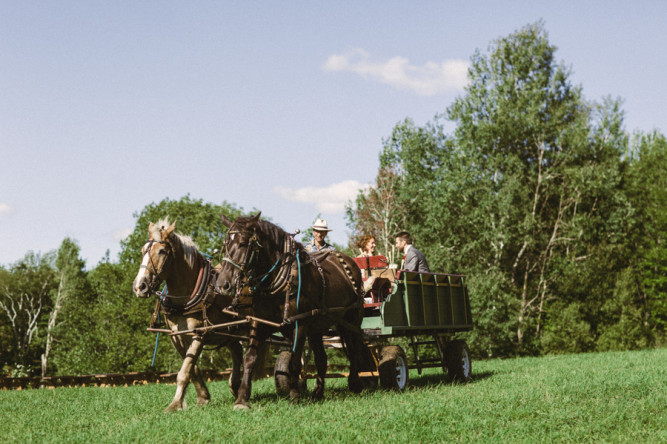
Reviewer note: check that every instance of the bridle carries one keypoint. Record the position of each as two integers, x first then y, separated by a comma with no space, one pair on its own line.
245,271
155,274
199,293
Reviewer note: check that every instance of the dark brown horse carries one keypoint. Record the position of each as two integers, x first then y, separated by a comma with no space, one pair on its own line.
305,294
188,305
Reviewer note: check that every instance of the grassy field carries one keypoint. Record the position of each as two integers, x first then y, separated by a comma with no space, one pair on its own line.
602,397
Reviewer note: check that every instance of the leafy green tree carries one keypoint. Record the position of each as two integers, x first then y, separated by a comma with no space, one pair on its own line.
69,320
526,197
647,190
24,302
193,217
376,212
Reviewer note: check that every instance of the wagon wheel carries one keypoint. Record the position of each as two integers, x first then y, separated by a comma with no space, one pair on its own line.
457,357
393,368
281,374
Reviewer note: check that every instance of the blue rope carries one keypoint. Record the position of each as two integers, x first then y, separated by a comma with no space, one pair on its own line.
269,272
157,338
298,294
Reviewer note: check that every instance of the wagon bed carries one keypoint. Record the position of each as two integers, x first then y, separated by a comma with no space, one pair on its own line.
409,304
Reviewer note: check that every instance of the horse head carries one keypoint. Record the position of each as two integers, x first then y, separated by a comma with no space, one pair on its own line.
241,253
157,258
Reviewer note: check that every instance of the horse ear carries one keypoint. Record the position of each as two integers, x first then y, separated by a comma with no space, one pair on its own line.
168,232
255,218
226,222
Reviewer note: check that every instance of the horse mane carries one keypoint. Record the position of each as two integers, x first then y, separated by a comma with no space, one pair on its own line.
271,231
190,249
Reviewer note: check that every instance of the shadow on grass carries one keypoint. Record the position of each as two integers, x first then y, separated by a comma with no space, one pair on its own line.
342,392
431,380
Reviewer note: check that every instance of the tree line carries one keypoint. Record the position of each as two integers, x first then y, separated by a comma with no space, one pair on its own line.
553,211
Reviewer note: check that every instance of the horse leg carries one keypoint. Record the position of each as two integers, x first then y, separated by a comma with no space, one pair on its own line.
353,343
203,395
317,346
183,378
249,360
295,361
237,361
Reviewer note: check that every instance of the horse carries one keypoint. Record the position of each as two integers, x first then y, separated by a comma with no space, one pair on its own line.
188,304
305,295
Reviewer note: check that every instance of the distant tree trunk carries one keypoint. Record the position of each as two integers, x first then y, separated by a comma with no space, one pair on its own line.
52,323
23,311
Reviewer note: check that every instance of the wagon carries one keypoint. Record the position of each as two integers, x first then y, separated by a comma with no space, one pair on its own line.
426,309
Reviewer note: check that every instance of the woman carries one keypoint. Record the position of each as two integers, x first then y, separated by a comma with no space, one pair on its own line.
367,246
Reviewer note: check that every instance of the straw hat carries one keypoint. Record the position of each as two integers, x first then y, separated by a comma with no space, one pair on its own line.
321,225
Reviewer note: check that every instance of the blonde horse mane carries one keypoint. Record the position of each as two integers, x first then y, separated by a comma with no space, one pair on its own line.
190,249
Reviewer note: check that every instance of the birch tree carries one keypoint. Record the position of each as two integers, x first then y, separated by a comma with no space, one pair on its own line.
71,278
24,299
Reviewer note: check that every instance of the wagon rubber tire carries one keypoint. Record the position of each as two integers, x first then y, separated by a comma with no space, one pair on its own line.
393,368
457,357
281,375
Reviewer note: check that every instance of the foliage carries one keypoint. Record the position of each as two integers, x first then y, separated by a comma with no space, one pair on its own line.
71,302
535,197
647,190
193,217
25,299
594,397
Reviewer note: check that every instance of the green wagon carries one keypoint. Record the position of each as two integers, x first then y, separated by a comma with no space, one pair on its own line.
428,309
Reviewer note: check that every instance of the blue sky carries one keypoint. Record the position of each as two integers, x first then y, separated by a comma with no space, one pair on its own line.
106,107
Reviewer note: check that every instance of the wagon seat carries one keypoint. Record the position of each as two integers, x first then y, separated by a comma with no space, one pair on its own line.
377,277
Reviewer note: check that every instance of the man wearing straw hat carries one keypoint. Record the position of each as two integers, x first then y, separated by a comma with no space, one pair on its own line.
320,230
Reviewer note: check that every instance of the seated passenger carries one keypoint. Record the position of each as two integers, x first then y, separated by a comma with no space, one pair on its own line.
413,259
367,246
320,230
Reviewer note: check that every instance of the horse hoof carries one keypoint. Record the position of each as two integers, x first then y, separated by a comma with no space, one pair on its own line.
173,408
241,407
203,401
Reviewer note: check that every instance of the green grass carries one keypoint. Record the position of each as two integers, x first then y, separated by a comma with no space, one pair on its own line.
601,397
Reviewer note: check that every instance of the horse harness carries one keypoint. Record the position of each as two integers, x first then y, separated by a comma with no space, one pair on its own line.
288,267
201,298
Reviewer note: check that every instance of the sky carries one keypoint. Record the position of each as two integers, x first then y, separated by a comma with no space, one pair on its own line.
106,107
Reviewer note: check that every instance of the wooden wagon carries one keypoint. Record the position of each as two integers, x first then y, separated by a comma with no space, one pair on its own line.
415,306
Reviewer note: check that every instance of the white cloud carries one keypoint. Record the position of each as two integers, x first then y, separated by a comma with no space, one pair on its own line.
121,234
6,210
429,79
328,200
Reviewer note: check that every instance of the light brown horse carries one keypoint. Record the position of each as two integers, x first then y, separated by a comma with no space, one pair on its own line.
304,294
189,304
